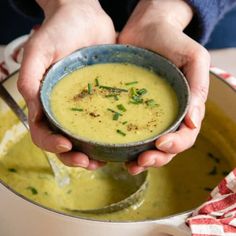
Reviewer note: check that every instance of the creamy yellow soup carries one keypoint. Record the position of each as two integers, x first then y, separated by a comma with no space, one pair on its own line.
181,185
114,103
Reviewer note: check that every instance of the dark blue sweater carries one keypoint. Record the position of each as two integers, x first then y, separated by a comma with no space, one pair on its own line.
207,13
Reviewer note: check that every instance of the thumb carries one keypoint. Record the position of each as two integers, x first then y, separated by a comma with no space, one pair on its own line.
197,73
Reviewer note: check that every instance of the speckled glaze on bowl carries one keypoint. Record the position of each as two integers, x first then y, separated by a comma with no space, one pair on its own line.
114,54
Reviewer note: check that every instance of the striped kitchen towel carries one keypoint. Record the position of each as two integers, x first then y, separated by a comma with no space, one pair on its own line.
217,216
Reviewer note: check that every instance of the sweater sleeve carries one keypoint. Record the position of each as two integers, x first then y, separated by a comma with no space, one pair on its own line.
206,15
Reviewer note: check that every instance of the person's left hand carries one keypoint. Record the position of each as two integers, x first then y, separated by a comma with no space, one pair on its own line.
158,25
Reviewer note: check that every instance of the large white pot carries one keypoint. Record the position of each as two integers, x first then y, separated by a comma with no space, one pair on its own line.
20,217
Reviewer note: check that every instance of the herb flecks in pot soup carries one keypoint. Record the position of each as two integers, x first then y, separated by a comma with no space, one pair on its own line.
181,185
114,103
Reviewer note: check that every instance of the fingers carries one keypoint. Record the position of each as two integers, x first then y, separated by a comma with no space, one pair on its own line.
197,73
43,137
77,159
134,169
179,141
152,158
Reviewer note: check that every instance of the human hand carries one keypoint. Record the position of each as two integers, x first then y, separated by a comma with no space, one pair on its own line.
68,25
158,25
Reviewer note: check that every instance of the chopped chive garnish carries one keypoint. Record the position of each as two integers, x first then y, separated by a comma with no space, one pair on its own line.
213,171
114,89
225,173
120,132
142,91
12,170
115,96
116,116
109,109
135,95
133,92
136,100
110,95
131,83
151,103
208,189
33,190
213,157
121,107
97,82
76,109
89,88
124,123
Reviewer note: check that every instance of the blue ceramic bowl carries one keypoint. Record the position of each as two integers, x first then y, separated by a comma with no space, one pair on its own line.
114,54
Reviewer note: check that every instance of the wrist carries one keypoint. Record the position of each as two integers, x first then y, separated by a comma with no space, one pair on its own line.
178,13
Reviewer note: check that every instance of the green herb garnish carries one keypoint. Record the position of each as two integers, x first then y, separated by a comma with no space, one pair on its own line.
115,96
116,116
214,158
33,190
142,91
12,170
97,82
114,89
131,83
135,95
136,100
124,123
121,107
133,92
213,171
120,132
69,191
208,189
90,90
76,109
225,173
151,103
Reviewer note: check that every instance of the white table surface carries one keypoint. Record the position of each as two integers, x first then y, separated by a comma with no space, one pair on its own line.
223,58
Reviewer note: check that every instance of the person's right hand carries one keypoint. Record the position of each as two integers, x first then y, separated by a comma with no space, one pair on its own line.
68,25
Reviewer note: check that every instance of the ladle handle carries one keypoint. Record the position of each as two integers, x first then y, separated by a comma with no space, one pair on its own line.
14,106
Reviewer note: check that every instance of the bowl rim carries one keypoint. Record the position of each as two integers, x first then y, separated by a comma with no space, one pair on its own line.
169,129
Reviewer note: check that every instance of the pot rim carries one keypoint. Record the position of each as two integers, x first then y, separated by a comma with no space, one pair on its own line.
213,71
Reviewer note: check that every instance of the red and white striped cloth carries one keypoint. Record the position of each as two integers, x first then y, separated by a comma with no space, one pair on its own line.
218,215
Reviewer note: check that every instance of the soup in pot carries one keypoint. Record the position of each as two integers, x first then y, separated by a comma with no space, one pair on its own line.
181,185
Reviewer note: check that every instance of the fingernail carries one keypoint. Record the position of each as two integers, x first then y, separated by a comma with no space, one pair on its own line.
83,165
32,111
63,148
195,117
165,144
138,171
148,163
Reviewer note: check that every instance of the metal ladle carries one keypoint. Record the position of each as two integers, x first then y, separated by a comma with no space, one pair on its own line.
118,172
61,176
